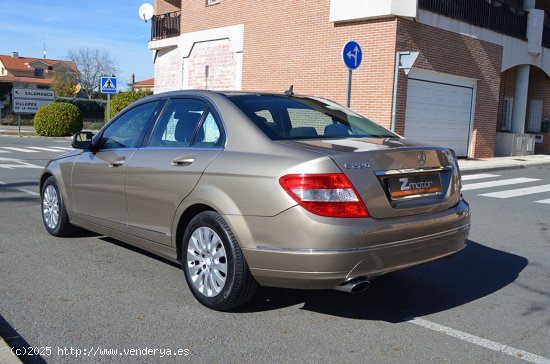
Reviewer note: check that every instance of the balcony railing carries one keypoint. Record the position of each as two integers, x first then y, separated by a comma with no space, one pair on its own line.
546,36
490,14
165,25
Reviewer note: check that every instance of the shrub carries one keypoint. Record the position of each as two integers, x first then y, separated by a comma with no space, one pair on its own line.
58,119
90,109
123,99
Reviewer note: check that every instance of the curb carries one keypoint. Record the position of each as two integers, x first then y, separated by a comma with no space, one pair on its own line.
472,170
6,357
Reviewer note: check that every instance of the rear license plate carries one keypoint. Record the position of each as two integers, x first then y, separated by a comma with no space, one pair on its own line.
410,186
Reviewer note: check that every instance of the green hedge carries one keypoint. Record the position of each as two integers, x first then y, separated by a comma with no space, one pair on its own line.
123,99
58,119
90,109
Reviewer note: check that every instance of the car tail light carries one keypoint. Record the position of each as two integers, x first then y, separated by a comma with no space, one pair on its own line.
325,194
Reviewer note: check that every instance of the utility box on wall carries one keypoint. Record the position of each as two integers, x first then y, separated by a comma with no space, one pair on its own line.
514,144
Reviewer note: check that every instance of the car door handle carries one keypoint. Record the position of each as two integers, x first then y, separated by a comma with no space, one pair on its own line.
183,160
117,163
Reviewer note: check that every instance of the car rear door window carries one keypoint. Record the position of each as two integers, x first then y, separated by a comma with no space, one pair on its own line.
178,123
209,134
186,123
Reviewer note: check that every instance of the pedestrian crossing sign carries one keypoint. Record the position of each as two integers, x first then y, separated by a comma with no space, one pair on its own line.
108,85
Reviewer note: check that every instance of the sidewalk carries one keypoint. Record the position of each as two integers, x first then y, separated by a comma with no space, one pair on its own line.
25,129
469,166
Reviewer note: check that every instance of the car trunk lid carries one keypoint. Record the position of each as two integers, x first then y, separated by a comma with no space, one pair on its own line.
394,178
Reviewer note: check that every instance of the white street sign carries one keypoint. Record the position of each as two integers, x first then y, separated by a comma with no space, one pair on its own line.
33,94
28,106
407,60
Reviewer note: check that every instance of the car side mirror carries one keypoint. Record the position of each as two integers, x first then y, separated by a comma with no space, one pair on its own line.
83,140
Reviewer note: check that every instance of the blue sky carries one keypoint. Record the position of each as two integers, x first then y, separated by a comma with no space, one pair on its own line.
70,24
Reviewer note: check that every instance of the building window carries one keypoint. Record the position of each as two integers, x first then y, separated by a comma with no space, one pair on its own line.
212,2
39,72
507,113
535,116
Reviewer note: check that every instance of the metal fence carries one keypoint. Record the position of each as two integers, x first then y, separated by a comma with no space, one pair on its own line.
491,14
165,25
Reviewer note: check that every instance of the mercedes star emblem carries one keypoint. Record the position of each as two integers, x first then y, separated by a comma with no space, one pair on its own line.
421,158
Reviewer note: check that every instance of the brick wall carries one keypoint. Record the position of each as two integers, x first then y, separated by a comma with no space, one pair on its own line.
455,54
168,66
293,42
212,65
167,6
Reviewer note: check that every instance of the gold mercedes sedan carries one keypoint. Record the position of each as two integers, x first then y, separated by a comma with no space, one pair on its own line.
247,189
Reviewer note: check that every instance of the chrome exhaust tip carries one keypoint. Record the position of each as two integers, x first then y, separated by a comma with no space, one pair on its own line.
355,285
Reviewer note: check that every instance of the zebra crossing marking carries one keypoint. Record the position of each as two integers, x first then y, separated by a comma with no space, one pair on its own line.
34,149
470,177
9,163
20,150
547,201
518,192
498,183
51,149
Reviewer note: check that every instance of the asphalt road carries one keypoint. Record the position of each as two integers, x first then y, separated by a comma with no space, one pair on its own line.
489,303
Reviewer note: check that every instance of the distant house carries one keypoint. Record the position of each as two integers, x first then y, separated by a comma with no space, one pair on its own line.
145,85
29,72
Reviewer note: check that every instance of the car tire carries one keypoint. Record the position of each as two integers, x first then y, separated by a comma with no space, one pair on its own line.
214,265
54,213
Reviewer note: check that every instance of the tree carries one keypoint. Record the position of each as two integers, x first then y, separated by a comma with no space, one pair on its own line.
123,99
65,81
92,63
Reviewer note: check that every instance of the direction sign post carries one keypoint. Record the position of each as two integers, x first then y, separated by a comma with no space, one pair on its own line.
29,100
108,86
352,55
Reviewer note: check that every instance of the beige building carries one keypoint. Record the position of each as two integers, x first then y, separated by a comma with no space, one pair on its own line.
480,84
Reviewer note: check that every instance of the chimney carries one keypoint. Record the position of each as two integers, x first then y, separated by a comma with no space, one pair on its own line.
15,55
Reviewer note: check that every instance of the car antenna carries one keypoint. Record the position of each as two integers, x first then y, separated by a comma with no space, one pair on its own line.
290,91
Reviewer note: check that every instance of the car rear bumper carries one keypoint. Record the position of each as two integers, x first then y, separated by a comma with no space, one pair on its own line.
337,250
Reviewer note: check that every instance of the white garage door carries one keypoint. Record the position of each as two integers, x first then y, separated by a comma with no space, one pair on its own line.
439,114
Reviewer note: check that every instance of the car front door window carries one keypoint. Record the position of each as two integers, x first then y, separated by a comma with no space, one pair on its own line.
127,130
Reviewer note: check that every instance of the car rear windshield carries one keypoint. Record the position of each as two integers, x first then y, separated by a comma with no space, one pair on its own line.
288,118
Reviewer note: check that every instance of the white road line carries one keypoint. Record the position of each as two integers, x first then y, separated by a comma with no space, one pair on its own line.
502,182
476,340
544,201
518,192
52,149
9,163
20,150
4,151
62,148
20,189
470,177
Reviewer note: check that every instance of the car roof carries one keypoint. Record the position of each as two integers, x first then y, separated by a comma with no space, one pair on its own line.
215,92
